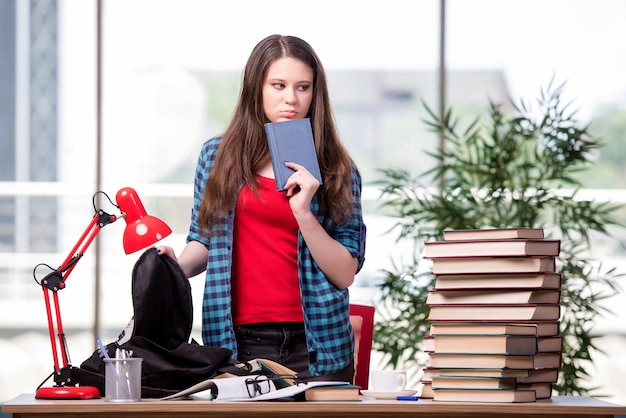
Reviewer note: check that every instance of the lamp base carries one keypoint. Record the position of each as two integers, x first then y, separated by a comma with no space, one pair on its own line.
68,392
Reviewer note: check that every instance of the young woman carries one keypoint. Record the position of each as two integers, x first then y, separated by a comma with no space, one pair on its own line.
278,264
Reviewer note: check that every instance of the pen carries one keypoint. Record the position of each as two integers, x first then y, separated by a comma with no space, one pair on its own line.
407,398
105,354
103,350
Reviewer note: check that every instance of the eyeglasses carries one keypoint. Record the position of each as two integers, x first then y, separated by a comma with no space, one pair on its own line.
262,384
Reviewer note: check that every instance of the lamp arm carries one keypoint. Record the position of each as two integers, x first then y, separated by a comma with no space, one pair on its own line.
141,231
55,281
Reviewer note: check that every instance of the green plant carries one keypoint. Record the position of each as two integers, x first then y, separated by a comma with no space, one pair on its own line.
515,171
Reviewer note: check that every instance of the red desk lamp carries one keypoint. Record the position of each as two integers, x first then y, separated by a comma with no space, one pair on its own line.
142,230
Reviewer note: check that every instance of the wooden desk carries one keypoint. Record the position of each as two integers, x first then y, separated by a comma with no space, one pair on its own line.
26,406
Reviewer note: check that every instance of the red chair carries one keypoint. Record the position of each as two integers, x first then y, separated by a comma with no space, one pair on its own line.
362,320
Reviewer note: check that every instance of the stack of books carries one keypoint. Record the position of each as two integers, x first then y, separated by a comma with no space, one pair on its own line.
494,316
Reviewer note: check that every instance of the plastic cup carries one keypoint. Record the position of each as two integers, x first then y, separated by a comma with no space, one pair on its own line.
122,378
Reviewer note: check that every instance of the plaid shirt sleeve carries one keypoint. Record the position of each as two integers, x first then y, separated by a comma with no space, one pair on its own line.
217,325
326,308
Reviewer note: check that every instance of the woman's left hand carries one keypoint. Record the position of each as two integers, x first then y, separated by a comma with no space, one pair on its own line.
301,187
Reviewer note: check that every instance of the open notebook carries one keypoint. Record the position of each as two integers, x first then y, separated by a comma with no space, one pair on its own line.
272,381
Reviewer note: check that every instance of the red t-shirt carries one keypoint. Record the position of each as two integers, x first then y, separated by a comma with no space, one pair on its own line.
265,284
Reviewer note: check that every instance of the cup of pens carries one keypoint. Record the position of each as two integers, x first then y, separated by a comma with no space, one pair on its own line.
122,379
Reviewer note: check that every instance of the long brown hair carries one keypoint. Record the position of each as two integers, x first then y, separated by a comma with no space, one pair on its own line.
244,150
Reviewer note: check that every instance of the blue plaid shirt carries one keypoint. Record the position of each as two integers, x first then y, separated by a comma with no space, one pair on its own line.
326,308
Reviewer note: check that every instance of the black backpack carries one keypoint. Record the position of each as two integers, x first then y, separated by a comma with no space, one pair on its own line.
159,332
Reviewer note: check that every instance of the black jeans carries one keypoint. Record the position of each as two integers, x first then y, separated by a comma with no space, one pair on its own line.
284,343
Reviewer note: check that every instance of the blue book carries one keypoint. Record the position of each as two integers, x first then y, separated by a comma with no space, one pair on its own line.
291,141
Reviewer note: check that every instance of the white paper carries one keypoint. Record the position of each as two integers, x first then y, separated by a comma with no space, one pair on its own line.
234,389
285,392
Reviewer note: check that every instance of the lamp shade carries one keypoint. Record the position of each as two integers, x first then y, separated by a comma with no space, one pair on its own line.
142,230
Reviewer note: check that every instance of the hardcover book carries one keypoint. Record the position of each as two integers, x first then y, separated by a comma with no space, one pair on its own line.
496,361
550,344
449,382
430,372
542,390
291,141
467,265
486,344
540,329
503,233
492,248
346,392
540,376
506,281
487,297
500,313
484,395
546,361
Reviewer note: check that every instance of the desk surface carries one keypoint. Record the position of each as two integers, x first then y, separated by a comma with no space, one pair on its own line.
26,405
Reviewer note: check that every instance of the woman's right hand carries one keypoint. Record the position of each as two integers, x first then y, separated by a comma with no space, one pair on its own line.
165,250
192,259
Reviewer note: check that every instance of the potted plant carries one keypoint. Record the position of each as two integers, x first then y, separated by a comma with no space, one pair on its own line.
512,171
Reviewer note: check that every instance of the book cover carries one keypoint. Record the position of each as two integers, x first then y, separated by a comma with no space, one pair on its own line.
484,395
462,382
465,265
501,313
492,296
344,392
540,329
540,376
542,390
291,141
492,248
485,344
546,361
487,233
549,344
507,281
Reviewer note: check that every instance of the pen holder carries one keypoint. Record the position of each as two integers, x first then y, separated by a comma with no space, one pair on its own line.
122,381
